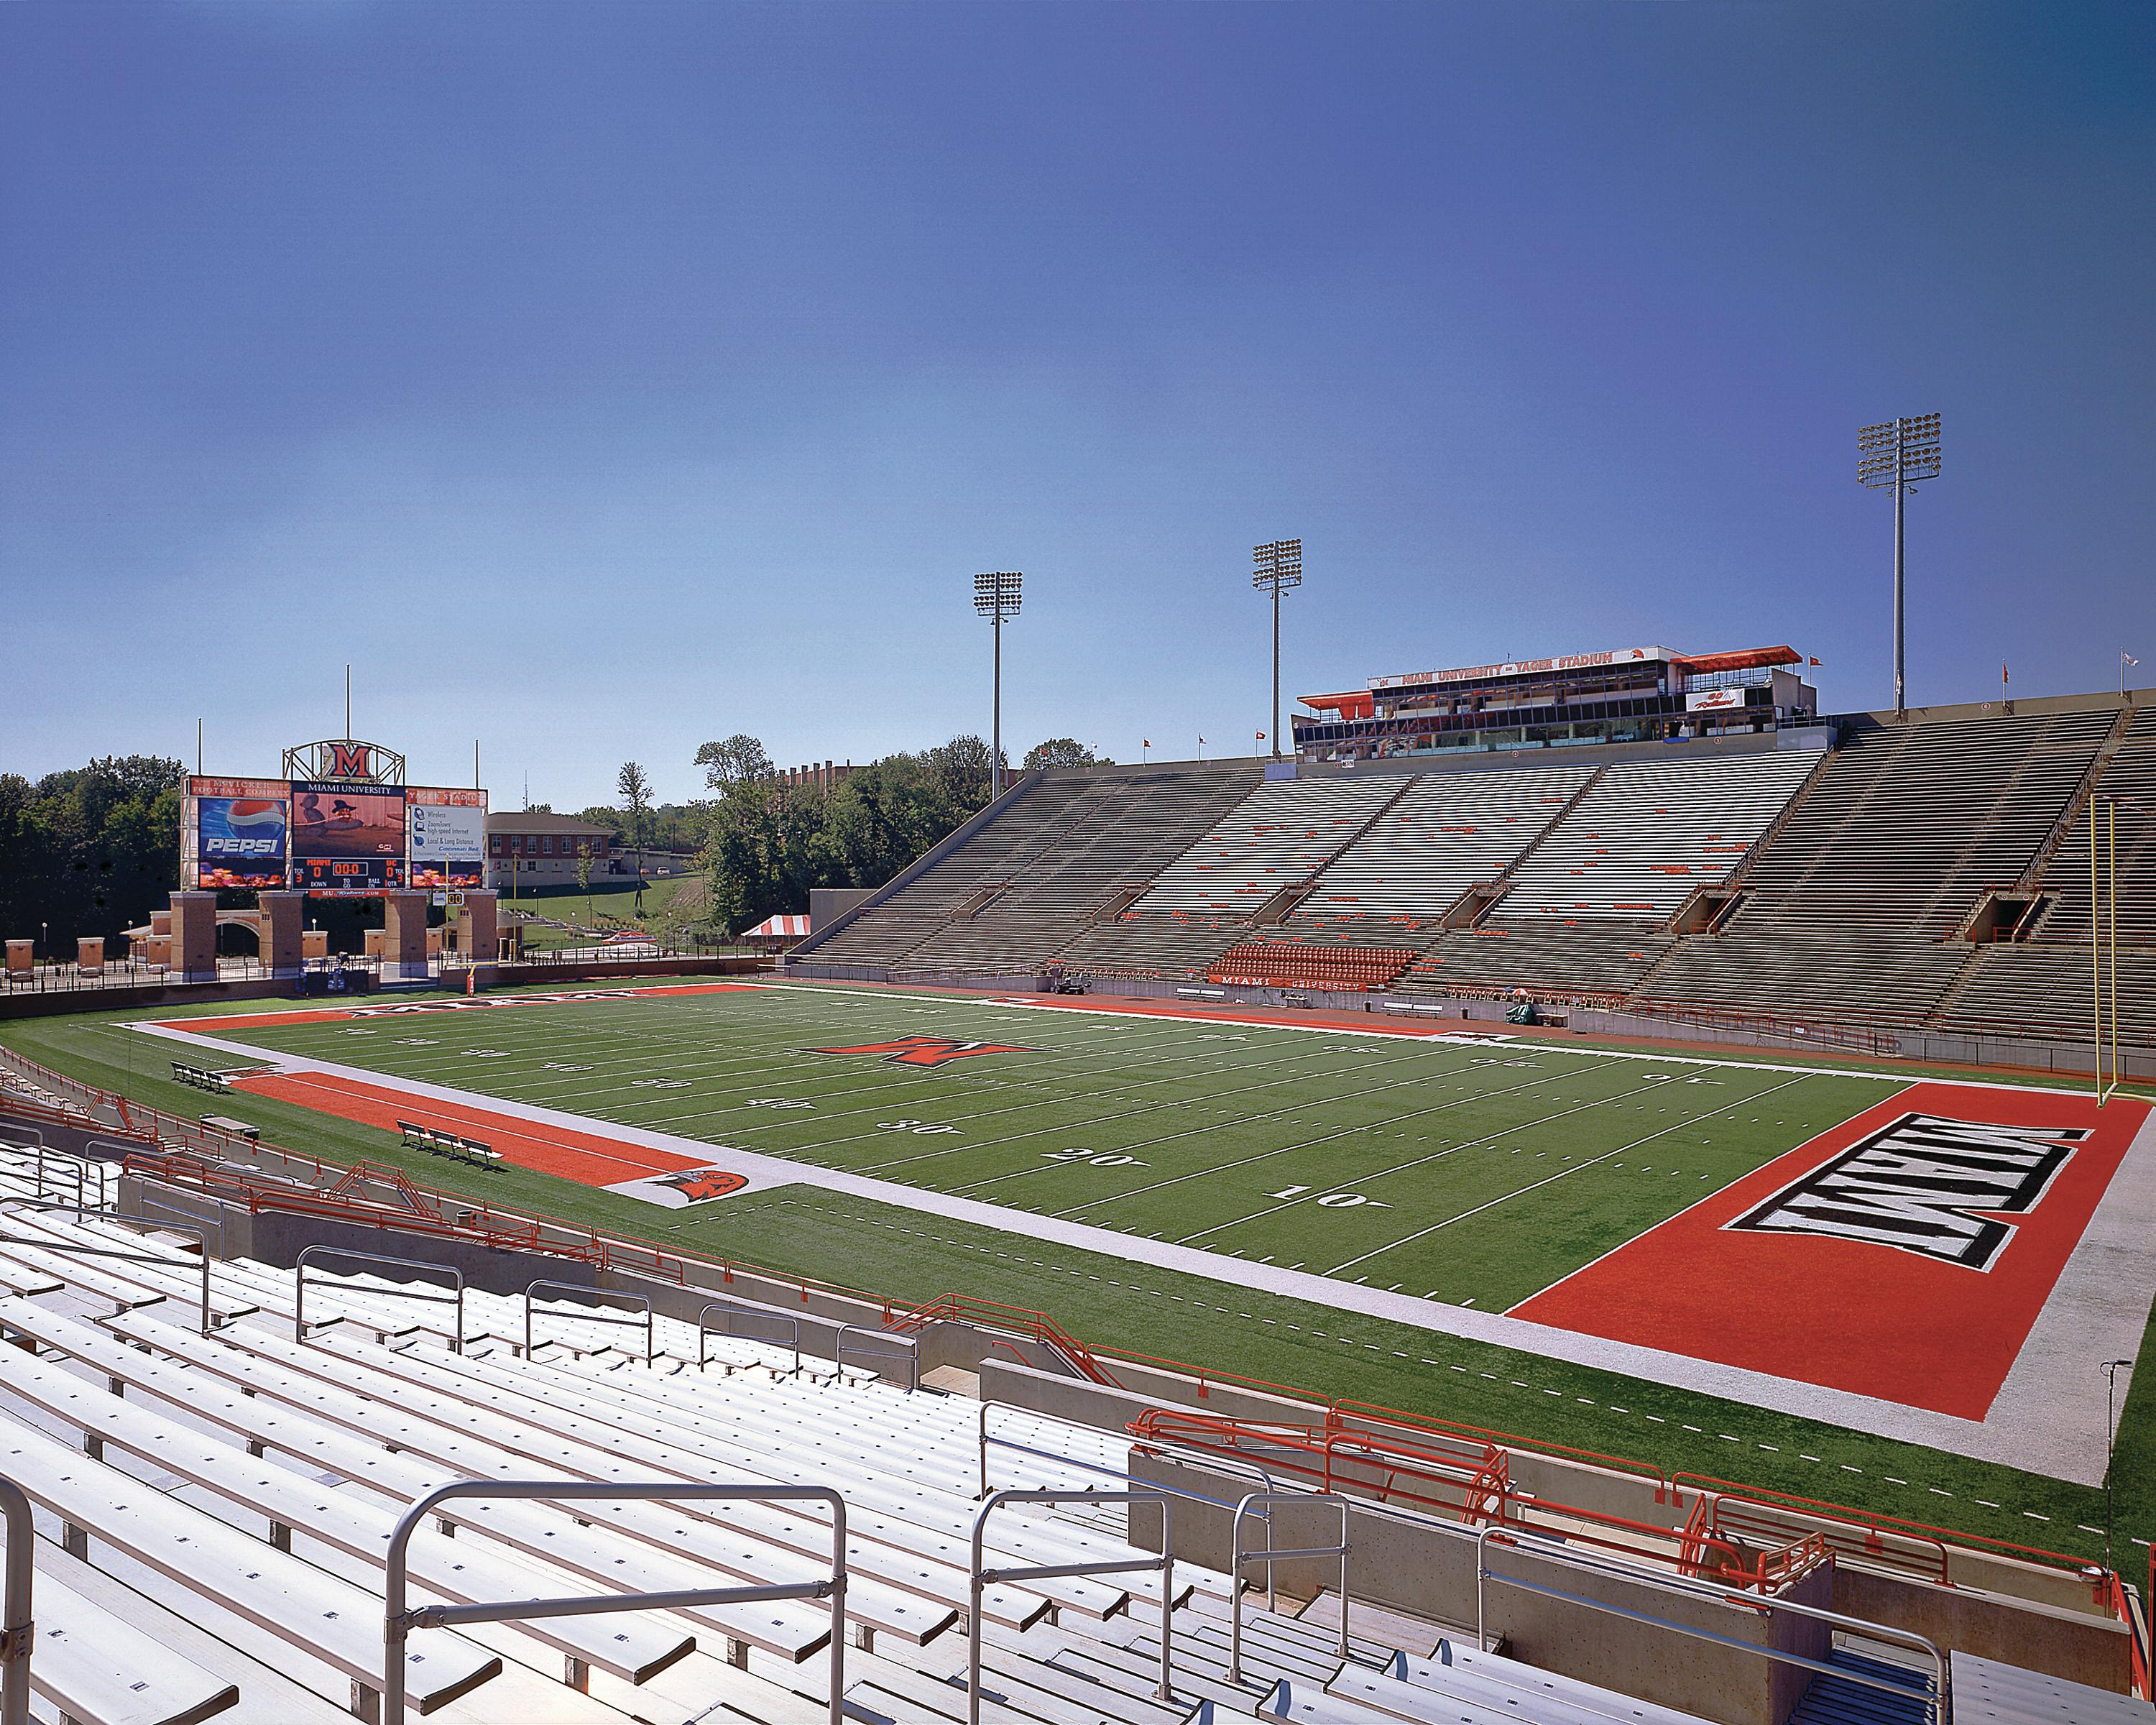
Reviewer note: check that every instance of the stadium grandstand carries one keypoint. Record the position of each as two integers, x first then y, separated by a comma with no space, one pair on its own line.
1927,878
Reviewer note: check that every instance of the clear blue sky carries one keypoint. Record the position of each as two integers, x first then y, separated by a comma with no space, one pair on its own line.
600,378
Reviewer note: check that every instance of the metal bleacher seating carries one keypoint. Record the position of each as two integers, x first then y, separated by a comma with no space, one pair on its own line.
1852,906
1123,832
1281,835
216,1505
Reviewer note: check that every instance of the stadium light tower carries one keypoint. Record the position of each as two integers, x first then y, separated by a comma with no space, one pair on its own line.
1902,453
1279,567
996,597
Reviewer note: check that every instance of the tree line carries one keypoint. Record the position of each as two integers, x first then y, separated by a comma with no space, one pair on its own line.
766,843
95,850
88,851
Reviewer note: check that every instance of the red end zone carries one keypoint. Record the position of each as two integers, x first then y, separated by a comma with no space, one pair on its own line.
1822,1267
585,1158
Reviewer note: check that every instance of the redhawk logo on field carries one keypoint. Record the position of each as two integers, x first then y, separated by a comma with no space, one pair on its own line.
927,1050
699,1185
1925,1184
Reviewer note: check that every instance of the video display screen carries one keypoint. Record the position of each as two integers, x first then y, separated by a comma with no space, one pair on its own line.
238,827
448,837
347,839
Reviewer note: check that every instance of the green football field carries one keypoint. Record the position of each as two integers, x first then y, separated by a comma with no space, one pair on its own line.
710,1068
1469,1171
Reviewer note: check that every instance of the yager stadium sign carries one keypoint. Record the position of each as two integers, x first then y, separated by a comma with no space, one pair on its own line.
1926,1184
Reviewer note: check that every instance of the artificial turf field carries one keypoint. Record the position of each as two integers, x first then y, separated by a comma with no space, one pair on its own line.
1476,1174
1343,1121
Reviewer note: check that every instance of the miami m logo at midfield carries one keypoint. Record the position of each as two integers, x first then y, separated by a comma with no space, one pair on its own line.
927,1050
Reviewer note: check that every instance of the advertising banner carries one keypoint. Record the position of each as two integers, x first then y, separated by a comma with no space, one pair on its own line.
347,839
232,832
448,837
1713,700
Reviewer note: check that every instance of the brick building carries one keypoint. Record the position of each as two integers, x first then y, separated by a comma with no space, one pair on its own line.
541,850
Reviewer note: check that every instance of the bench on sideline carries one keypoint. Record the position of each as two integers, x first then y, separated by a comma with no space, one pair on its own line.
201,1078
442,1144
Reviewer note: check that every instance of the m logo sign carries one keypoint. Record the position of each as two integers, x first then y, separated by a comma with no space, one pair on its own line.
351,760
1925,1184
927,1050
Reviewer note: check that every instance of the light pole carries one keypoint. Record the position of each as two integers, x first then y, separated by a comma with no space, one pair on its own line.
1279,567
2112,1368
996,597
1902,453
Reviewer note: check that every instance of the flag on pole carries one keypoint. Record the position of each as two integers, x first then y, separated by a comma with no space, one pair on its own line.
1147,744
1811,661
1261,737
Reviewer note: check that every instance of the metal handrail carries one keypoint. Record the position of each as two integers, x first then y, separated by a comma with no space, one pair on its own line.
904,1349
398,1620
650,1331
18,1631
703,1327
71,1248
151,1203
1237,1557
299,1286
981,1578
1939,1701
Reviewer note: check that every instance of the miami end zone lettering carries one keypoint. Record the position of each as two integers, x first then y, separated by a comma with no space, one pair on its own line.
1925,1184
927,1050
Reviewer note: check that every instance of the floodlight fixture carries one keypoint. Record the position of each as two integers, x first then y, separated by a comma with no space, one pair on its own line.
1901,454
996,597
1279,568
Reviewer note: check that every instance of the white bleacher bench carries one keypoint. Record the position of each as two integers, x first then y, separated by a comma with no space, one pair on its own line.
200,1078
237,1128
319,1615
1201,994
436,1142
97,1667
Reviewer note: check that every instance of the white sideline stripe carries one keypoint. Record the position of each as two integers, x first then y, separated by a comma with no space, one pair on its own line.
2053,1442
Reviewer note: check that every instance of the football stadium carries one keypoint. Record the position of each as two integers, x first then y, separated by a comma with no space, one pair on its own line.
1635,1225
715,1011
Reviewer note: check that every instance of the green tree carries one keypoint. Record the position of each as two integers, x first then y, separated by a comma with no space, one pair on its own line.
90,851
636,797
1063,751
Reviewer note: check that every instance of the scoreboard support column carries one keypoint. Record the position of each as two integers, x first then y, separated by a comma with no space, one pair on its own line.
194,937
481,935
279,927
404,937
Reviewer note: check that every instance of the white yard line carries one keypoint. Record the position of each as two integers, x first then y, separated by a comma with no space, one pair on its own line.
2046,1440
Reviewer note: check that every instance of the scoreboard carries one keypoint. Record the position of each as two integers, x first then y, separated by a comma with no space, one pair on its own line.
351,829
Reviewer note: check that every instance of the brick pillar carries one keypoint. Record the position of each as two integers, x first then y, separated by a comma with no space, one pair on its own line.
278,926
482,933
20,959
90,954
404,938
194,936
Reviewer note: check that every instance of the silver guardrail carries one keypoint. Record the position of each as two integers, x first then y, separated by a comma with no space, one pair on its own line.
900,1348
762,1314
983,1578
69,1248
399,1620
18,1631
595,1295
311,1254
1270,1554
